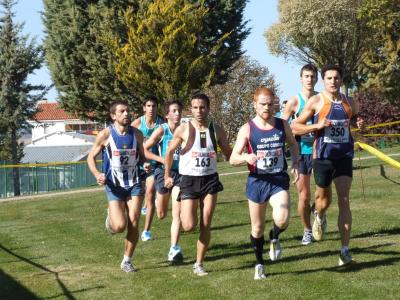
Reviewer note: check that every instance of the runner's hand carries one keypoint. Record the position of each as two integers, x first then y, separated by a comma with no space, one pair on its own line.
168,182
295,172
251,159
147,167
101,179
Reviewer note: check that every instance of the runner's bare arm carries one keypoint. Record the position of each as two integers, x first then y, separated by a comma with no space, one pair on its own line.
290,108
223,141
139,138
238,157
98,146
152,141
299,126
136,123
294,151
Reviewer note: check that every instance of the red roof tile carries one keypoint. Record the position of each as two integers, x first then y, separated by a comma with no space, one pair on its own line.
51,111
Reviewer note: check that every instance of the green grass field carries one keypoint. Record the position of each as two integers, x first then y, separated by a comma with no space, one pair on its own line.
57,248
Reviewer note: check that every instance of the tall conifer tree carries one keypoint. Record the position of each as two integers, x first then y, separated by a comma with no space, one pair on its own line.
19,57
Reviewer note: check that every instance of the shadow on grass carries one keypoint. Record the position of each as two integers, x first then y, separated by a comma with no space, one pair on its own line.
395,257
231,202
378,232
383,174
213,228
12,289
65,291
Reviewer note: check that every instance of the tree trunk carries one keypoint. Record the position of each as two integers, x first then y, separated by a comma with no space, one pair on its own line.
15,161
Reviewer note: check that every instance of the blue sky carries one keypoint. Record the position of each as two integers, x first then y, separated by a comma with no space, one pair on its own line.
260,13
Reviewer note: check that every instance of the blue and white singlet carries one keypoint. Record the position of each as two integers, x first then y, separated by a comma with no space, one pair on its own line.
120,159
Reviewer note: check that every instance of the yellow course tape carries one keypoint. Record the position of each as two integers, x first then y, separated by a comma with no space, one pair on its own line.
379,155
382,134
378,125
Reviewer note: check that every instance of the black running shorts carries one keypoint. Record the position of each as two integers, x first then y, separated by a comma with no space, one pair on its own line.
195,187
325,170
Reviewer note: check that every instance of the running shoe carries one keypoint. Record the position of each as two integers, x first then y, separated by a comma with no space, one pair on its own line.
175,254
146,236
128,267
199,270
259,272
319,228
345,258
275,250
307,237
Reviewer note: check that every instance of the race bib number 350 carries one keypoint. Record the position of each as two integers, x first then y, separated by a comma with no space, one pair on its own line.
338,132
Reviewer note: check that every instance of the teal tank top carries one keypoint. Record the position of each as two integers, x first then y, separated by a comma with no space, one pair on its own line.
147,132
305,141
163,145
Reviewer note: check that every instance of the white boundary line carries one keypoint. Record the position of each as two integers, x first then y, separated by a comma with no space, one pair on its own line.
95,189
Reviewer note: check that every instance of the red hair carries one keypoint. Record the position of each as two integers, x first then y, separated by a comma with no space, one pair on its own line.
263,90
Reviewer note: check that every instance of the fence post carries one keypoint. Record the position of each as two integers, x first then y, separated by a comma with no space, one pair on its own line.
47,177
5,176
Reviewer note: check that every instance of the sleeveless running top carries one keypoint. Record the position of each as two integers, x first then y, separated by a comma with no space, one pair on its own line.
305,141
269,147
334,142
199,156
120,159
163,145
147,133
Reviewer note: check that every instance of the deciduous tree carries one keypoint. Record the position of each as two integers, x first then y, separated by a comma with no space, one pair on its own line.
232,102
321,32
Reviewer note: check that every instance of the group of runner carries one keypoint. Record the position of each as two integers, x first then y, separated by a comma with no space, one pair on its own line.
156,158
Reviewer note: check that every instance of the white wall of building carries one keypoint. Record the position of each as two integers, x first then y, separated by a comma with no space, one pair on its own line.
41,129
58,139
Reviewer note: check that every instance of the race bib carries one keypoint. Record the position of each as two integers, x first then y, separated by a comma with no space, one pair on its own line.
177,152
270,161
338,133
124,160
202,162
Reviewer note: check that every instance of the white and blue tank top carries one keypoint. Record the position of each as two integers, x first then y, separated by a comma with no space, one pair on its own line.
120,159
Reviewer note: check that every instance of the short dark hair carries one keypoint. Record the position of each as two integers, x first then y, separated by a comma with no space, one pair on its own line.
114,104
172,102
309,67
201,96
150,98
331,67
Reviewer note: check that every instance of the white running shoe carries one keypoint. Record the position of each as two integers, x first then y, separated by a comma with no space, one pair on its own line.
319,228
275,250
128,267
199,270
259,272
307,237
345,258
175,254
146,236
